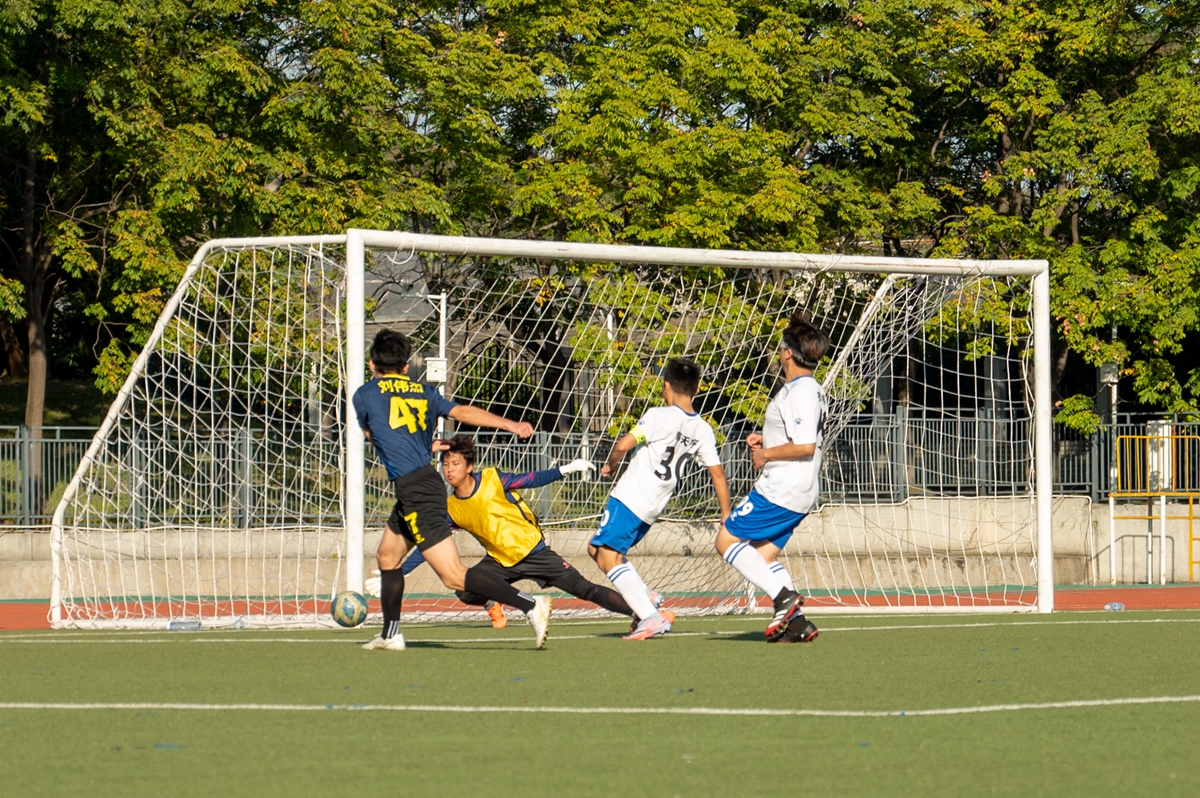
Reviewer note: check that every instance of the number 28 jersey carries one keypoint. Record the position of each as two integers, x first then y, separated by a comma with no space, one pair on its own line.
401,416
667,438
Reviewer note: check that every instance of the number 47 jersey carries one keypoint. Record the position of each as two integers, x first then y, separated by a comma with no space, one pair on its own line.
667,439
401,415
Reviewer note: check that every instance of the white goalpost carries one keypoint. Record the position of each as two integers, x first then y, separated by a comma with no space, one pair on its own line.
229,484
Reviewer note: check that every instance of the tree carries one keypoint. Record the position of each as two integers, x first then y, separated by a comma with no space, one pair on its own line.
980,128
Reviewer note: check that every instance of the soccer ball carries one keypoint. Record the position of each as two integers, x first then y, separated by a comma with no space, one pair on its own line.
348,608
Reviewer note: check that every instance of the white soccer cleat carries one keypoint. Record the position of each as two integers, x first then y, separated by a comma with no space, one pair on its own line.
539,619
654,626
385,644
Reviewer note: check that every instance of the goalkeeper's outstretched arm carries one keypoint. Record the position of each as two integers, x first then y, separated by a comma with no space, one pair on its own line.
536,479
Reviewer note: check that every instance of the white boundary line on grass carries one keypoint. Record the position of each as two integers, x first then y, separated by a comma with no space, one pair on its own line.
142,636
828,713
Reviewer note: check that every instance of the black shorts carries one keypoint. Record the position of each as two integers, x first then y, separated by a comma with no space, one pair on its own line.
420,515
545,566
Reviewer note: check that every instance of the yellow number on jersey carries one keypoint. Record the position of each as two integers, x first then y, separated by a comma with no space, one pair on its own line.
402,413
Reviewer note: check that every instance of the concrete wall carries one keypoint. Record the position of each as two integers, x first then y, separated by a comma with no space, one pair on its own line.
911,544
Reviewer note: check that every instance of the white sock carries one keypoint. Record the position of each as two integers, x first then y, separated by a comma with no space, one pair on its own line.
778,569
631,587
750,564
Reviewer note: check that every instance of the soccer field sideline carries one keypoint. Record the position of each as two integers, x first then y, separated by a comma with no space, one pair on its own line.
745,712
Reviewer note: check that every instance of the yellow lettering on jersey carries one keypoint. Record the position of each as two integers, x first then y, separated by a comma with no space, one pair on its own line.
402,413
411,520
400,385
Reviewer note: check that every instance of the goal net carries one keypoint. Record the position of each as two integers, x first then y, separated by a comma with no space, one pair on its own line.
229,483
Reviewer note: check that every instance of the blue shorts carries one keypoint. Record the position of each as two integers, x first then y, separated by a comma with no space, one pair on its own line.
758,519
620,529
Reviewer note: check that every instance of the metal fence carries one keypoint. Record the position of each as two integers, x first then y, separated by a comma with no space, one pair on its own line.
35,465
874,459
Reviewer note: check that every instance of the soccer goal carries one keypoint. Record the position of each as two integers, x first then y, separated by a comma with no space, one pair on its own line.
229,483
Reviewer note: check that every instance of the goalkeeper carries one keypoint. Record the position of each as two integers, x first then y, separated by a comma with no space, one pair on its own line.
486,505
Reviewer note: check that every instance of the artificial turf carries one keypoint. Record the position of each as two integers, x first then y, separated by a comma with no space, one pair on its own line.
881,664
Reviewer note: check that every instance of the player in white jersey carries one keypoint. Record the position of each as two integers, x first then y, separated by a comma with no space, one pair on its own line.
667,438
789,453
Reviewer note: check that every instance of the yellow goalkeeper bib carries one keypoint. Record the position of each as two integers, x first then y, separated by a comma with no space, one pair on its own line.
506,530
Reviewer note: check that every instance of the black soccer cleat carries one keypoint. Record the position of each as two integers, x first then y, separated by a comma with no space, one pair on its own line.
800,630
787,607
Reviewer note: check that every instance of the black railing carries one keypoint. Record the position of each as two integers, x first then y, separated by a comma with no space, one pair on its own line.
873,459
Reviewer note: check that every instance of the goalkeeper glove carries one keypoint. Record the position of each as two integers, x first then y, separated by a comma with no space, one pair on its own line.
577,466
371,586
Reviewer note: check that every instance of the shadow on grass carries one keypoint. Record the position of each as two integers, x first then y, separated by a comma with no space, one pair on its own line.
753,636
497,646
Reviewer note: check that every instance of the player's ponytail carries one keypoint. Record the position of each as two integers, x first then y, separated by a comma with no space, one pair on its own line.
805,339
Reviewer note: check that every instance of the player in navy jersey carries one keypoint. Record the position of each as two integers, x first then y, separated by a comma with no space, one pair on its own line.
398,416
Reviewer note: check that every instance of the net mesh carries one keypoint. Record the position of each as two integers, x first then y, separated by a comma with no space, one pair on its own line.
217,494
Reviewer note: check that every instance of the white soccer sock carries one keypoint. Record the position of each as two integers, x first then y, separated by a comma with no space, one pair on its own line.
778,569
750,564
631,587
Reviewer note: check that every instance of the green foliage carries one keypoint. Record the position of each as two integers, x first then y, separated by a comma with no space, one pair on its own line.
985,312
1078,413
1065,131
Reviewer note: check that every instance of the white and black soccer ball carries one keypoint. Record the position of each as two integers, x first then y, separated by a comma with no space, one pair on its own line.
348,608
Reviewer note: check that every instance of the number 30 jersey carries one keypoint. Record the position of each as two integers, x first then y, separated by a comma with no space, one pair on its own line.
667,438
401,416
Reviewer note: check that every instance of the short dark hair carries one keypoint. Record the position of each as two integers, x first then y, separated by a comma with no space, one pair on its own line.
682,375
390,350
464,445
807,342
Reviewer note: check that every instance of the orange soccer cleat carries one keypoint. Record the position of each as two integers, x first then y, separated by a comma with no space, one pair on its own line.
496,613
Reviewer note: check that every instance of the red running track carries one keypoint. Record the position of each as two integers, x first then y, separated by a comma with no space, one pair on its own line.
16,615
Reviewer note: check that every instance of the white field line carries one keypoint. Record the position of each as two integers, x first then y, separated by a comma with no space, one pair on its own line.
826,713
194,637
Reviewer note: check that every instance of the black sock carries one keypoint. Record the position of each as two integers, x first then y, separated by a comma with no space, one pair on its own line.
487,584
610,600
471,598
391,596
574,583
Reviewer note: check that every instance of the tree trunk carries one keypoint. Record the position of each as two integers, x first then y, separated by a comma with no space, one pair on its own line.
35,263
39,361
18,365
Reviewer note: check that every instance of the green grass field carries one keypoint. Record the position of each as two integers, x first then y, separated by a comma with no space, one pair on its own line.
310,713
